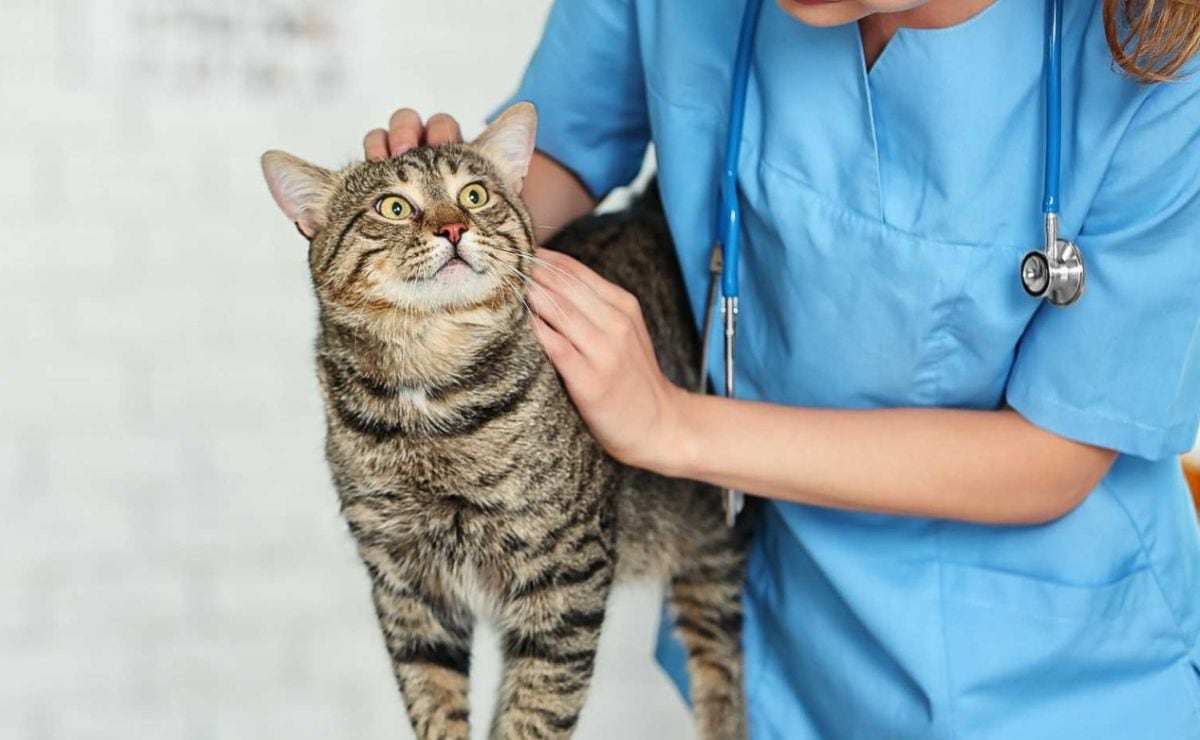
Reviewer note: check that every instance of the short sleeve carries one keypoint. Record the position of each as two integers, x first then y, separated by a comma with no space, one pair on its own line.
586,80
1121,368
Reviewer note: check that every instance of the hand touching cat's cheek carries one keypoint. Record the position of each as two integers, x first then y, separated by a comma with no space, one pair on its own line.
595,334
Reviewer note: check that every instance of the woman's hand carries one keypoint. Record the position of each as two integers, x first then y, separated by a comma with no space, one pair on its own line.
930,462
594,333
554,195
405,131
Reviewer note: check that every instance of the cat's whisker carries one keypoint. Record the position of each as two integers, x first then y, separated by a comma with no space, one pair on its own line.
327,280
529,282
517,294
562,313
550,266
452,443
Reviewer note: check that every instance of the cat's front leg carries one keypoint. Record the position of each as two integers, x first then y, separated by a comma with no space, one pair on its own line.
428,637
551,630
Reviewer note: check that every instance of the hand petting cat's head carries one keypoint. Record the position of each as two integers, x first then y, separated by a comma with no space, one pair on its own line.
432,231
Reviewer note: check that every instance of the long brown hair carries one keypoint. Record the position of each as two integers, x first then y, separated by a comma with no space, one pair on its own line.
1152,39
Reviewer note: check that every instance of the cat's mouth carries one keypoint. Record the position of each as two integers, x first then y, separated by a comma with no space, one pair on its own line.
452,278
453,265
456,266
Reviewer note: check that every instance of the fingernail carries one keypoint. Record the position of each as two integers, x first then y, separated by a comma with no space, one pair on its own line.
400,150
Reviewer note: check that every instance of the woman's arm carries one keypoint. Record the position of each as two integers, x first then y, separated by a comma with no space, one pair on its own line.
981,466
553,196
552,193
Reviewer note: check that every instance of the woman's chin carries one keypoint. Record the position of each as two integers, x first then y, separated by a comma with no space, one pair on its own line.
823,14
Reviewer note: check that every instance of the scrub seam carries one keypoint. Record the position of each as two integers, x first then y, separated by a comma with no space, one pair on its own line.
864,75
1127,435
1189,648
944,335
751,689
864,219
1162,594
1191,348
942,629
1108,165
1165,430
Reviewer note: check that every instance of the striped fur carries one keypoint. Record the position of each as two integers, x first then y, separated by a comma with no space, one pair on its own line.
468,479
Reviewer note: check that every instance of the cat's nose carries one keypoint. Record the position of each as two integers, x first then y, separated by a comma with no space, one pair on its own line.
453,232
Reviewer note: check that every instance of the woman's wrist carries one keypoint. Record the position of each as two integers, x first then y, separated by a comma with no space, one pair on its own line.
678,447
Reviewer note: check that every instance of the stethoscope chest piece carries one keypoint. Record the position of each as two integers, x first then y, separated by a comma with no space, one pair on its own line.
1055,272
1057,277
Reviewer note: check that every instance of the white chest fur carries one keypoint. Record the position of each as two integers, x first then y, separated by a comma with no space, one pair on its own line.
467,584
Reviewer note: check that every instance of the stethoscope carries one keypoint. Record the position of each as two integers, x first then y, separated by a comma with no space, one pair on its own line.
1055,272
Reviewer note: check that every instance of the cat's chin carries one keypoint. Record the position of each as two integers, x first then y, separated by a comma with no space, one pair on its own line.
455,285
454,269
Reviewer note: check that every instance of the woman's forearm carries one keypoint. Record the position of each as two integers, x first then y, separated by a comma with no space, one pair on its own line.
554,196
982,466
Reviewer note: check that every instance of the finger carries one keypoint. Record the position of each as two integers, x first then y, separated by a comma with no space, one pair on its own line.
623,311
442,129
606,338
565,317
568,361
575,290
611,307
404,131
375,145
608,333
589,277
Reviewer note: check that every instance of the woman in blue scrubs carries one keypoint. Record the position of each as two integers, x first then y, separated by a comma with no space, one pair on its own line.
975,524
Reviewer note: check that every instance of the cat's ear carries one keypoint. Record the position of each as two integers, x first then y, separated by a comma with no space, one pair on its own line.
300,189
508,142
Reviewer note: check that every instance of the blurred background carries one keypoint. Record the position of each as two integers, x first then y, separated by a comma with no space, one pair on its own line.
172,562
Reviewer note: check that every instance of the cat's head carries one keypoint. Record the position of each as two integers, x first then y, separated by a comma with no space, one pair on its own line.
433,231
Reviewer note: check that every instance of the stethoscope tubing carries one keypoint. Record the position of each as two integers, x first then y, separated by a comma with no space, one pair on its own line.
1055,272
1053,131
729,219
729,226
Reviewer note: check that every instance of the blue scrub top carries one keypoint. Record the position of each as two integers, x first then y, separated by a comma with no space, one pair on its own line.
885,215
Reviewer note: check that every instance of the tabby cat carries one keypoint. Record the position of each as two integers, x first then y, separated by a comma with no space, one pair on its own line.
467,477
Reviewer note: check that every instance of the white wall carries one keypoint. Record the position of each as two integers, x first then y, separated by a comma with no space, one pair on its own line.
172,564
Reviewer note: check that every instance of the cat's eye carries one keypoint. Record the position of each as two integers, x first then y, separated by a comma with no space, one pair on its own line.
473,195
393,208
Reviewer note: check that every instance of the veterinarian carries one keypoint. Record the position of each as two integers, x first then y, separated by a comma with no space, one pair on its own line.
975,522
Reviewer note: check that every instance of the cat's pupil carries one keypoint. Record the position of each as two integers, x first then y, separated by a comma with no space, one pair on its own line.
473,196
396,209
